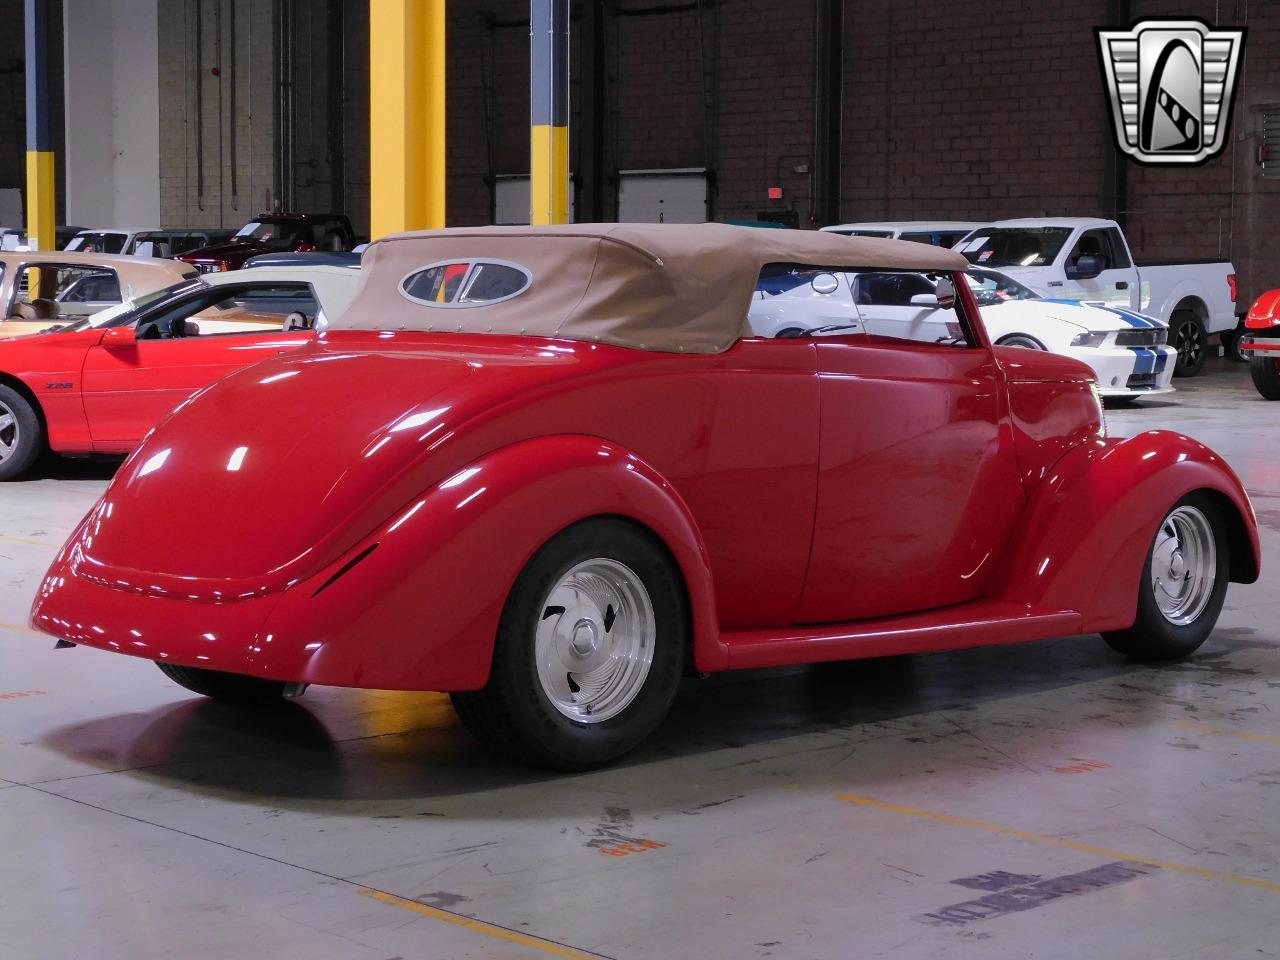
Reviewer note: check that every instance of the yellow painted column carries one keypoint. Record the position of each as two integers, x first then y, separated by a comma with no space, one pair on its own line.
406,115
41,201
549,111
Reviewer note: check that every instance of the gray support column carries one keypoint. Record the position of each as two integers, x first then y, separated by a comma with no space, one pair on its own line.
112,110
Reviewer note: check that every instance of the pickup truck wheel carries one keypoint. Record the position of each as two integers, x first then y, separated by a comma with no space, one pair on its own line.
1184,582
1188,337
589,651
227,687
1265,371
21,434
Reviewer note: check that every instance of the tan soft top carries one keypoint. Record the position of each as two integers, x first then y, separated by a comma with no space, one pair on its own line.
670,287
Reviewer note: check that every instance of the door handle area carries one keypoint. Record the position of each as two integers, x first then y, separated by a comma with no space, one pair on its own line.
1122,284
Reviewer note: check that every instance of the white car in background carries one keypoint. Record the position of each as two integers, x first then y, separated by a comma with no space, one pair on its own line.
940,233
1087,258
1126,350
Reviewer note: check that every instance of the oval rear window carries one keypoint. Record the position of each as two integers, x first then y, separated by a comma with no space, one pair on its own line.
466,283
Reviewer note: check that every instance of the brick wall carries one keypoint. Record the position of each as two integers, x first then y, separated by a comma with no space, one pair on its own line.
217,112
957,109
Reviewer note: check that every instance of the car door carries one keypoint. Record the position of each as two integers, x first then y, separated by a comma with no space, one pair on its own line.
1116,285
902,305
918,486
128,388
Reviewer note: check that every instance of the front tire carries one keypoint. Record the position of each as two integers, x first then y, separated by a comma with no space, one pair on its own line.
589,651
1024,340
21,434
1265,371
1189,338
226,687
1184,583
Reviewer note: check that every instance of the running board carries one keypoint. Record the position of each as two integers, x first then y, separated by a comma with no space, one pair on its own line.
976,624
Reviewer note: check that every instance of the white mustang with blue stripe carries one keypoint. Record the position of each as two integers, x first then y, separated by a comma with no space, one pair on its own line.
1126,350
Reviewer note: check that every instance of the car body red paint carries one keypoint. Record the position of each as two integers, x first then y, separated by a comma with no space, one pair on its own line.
823,499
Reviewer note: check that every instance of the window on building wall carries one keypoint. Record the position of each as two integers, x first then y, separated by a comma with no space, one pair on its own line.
1271,144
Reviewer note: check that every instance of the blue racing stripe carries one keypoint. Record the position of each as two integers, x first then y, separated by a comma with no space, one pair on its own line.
1133,319
1144,360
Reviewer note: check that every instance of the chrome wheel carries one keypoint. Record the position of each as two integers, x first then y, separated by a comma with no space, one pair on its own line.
1184,564
8,432
595,640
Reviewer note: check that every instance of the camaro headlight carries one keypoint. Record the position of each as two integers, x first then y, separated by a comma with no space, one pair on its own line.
1088,339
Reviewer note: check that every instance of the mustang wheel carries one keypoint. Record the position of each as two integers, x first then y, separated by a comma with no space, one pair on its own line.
589,651
21,434
1265,371
1187,335
1024,340
229,687
1183,584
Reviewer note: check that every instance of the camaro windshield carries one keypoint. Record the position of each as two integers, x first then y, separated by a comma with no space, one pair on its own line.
276,234
991,287
1015,246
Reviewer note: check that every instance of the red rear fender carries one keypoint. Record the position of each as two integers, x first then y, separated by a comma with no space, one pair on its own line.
421,610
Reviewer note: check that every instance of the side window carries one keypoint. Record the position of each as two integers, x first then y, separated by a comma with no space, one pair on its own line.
1095,243
71,286
1119,252
916,307
248,308
798,300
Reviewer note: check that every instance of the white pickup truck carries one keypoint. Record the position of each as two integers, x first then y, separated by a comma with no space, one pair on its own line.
1087,259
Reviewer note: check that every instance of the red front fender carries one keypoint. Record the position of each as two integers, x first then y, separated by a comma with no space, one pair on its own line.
420,611
1084,538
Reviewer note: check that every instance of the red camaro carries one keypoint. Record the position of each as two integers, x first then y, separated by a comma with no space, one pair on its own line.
99,389
565,472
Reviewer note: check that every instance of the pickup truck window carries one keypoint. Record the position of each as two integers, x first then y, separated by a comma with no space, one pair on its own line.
1016,246
1100,243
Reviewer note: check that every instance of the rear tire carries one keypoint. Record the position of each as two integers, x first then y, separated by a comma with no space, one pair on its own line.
1184,582
226,687
21,434
1265,371
569,687
1188,336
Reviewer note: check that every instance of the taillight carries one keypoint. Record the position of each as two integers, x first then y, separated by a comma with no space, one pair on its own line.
1231,284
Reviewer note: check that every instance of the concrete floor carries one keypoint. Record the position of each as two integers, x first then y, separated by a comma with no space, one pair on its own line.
1047,800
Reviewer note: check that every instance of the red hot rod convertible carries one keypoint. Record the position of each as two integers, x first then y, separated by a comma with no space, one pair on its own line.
566,472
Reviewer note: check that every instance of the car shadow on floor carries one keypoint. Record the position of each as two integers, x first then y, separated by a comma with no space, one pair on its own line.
50,466
371,747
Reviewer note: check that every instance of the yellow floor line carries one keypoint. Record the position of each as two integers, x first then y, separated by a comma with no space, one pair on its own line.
33,543
1059,842
479,926
1241,734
